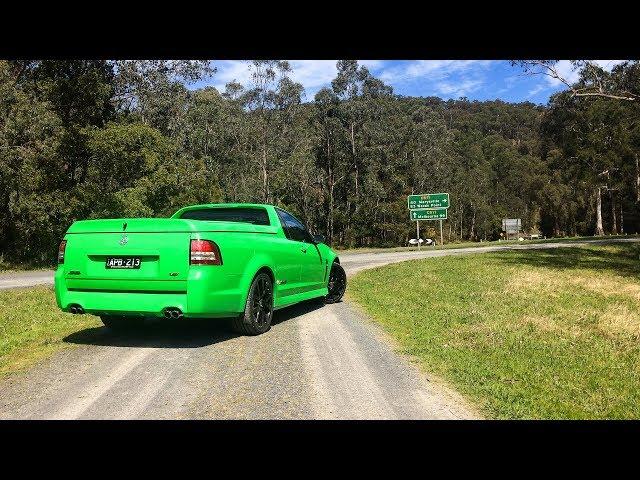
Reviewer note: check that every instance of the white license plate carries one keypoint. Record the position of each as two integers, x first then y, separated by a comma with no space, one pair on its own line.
123,262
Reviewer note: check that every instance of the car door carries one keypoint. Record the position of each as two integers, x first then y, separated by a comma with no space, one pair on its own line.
307,253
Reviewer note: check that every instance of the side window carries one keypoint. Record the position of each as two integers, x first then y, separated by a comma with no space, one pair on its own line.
293,228
283,223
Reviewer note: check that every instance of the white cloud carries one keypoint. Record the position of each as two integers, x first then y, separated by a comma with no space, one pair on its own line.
451,78
432,69
312,74
448,78
537,89
231,71
460,88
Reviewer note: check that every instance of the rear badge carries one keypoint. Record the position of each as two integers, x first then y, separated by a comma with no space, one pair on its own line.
124,239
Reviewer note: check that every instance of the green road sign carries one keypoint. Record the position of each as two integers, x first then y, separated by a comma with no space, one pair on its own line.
429,214
428,200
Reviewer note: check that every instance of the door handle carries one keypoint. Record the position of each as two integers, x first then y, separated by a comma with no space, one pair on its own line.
303,249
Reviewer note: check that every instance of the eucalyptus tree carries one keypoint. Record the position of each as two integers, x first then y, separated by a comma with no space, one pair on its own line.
329,150
269,103
358,93
139,81
214,133
590,137
621,83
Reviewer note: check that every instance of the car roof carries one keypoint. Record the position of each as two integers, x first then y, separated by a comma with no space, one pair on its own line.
214,205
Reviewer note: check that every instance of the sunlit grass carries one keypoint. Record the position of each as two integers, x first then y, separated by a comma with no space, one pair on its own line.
32,327
526,334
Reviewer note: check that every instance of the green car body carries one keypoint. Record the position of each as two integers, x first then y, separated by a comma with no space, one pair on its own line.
167,278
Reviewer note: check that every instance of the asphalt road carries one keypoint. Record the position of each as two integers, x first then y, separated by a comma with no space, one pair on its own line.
317,362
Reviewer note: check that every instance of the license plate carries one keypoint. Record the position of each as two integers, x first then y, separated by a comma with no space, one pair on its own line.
123,262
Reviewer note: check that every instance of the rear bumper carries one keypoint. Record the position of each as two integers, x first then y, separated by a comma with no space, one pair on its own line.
205,294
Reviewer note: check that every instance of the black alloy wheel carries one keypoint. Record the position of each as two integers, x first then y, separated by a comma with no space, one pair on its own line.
258,311
337,283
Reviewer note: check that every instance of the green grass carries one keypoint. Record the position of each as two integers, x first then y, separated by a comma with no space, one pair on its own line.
523,334
477,244
32,327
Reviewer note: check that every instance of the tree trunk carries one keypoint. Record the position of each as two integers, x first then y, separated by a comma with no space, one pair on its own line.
473,224
621,220
265,183
331,181
206,139
612,199
599,229
331,213
355,163
637,178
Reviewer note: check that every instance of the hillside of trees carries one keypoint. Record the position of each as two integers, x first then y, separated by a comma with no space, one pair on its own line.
91,139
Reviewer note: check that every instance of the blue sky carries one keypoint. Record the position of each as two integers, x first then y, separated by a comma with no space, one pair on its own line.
474,79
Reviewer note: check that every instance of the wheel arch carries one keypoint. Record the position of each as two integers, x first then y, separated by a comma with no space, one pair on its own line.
259,263
267,269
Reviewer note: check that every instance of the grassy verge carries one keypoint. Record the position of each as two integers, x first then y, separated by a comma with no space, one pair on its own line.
478,244
523,334
7,267
32,327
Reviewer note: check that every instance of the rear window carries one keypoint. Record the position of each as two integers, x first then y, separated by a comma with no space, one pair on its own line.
256,216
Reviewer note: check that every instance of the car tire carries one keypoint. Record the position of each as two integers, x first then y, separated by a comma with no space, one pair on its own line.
337,283
121,322
258,311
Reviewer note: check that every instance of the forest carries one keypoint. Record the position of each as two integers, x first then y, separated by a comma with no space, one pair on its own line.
126,138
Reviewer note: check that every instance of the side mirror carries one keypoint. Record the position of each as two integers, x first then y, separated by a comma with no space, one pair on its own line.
319,239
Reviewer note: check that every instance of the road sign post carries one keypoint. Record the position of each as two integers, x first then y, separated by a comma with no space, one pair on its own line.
511,225
428,206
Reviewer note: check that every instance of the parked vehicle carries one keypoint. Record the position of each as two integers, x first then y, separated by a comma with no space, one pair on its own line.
207,261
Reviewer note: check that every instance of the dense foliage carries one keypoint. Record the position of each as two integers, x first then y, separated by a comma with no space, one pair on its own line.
87,139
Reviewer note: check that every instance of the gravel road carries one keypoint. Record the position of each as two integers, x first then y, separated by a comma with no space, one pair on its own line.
317,362
25,279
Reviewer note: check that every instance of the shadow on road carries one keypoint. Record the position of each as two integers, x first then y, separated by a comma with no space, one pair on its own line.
295,311
191,333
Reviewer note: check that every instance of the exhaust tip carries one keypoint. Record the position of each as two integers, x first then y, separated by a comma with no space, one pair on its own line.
76,309
172,312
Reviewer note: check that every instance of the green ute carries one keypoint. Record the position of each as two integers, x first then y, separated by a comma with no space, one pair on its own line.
210,261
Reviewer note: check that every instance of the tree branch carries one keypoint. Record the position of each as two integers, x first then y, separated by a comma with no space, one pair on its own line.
547,68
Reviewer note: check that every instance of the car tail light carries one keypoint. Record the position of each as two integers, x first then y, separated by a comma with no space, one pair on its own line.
204,252
61,248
